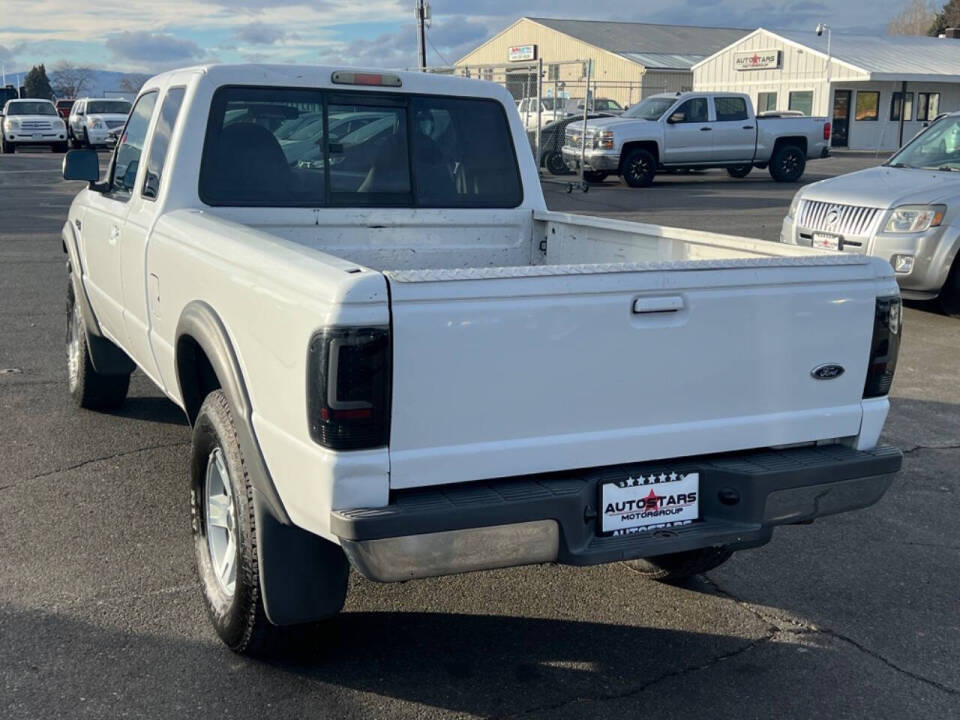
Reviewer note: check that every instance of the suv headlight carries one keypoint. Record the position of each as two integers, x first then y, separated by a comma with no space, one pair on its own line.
794,205
13,124
95,123
915,218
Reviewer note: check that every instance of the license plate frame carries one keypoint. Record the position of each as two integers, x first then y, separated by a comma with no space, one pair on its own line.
827,241
643,502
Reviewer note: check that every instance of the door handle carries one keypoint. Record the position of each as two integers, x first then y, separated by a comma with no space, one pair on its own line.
666,303
748,127
705,129
114,234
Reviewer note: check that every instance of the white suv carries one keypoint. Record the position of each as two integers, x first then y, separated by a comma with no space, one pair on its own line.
32,122
92,119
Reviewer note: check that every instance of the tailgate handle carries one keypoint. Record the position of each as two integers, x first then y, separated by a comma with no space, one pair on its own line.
668,303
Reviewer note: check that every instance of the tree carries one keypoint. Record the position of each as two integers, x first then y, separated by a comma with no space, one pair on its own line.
132,82
37,83
948,17
69,80
915,19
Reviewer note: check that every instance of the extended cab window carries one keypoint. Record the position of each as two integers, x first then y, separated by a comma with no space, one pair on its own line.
694,110
730,109
292,147
127,157
161,141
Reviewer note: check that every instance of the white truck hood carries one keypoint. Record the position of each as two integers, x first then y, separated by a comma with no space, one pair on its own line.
886,187
619,124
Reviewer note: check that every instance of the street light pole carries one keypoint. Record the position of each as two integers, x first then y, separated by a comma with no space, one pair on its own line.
820,28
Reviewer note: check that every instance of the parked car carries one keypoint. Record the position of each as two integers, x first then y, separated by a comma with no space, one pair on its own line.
606,106
551,110
28,123
91,119
907,211
378,354
696,130
63,108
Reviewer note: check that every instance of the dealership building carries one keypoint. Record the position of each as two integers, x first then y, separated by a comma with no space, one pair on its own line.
629,61
856,81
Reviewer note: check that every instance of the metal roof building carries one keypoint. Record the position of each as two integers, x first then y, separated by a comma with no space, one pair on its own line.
859,85
629,60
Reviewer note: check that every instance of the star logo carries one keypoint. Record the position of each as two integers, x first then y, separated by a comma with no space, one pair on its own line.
755,59
652,501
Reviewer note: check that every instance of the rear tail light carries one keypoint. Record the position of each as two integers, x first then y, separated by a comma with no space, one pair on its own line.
826,131
884,348
348,387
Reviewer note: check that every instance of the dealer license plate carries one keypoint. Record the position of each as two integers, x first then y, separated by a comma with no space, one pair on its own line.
647,502
38,136
825,241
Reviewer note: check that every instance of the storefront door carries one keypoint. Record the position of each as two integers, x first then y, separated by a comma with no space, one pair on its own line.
841,117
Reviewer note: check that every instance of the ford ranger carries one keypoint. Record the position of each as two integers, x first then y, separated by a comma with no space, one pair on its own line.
694,130
393,357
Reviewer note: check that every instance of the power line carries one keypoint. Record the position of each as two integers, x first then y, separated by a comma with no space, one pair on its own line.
446,62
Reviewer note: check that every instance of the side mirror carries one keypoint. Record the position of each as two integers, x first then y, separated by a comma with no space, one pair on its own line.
677,117
81,165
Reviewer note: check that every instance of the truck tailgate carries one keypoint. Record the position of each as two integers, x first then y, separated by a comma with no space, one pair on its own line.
508,371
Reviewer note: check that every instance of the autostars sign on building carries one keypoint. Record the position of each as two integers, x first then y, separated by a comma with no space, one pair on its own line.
757,60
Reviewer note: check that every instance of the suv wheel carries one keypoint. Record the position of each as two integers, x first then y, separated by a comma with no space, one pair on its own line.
639,168
7,147
950,292
788,163
739,171
555,164
594,176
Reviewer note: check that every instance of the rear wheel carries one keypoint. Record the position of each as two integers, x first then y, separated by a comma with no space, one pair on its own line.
788,163
679,566
739,171
225,539
594,176
639,168
88,388
555,164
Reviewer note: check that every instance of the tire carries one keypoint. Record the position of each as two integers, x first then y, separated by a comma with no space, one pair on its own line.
85,140
555,165
233,598
8,147
594,176
88,388
638,168
739,171
72,139
680,566
788,163
950,292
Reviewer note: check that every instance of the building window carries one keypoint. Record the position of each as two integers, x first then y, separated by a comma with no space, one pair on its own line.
730,109
895,107
766,101
802,101
553,73
928,106
868,105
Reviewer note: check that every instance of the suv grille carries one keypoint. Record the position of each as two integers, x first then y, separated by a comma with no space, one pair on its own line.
850,220
36,125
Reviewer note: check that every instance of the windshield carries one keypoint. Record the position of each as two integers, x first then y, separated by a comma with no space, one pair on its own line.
116,107
936,148
41,107
652,108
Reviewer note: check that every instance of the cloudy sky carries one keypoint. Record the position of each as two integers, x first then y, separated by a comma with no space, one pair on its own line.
134,35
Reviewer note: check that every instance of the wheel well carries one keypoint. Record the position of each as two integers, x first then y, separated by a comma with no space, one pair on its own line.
800,142
195,374
650,147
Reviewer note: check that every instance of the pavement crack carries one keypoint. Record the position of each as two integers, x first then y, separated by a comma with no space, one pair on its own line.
91,461
918,448
807,628
679,672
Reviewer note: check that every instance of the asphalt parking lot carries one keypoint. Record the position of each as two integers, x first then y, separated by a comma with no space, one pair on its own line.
100,616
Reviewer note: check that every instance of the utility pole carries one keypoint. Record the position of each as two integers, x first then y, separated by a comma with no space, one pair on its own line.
422,14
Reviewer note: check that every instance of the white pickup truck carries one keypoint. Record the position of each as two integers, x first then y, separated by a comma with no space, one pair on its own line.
394,358
694,130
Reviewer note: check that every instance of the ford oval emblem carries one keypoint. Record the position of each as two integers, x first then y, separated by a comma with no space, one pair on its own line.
827,372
